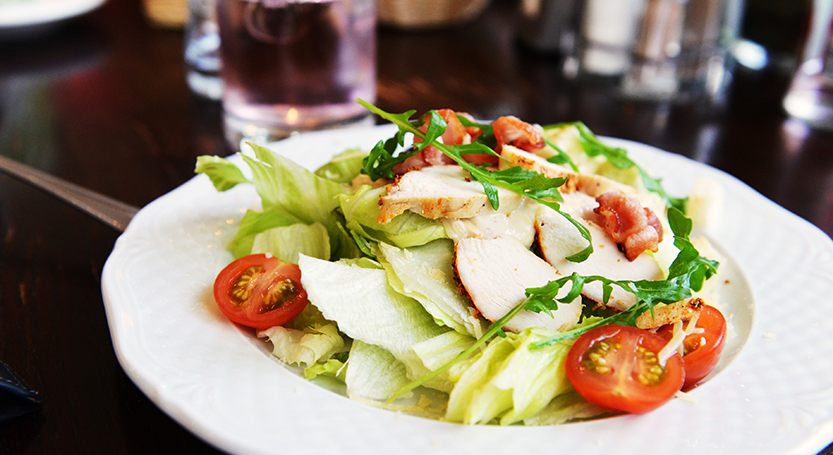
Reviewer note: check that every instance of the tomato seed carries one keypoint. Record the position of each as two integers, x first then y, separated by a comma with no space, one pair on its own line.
242,288
280,292
596,357
652,372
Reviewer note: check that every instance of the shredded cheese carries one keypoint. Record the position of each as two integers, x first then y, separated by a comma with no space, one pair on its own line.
675,344
685,396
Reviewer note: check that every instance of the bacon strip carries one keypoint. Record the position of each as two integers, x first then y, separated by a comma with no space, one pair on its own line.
508,130
512,130
631,226
455,134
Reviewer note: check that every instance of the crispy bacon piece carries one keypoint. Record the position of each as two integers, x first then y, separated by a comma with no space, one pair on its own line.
512,130
633,227
508,130
477,158
473,131
455,134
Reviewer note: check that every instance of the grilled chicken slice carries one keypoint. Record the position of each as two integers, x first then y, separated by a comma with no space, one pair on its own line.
581,205
559,239
664,314
441,192
590,184
518,224
496,272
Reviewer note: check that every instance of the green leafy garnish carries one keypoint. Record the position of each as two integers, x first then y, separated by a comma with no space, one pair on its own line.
688,272
382,157
527,183
487,135
561,157
618,158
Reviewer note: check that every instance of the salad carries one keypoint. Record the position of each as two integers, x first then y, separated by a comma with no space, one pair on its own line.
476,272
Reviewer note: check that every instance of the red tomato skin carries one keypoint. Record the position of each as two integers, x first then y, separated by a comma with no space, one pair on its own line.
700,362
247,314
622,392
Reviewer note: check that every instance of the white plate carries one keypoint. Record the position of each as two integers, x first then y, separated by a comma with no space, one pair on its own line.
26,17
775,396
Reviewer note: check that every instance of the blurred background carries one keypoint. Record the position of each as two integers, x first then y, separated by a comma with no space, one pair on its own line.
120,70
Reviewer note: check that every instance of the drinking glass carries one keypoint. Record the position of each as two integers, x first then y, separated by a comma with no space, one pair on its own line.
810,95
293,66
202,49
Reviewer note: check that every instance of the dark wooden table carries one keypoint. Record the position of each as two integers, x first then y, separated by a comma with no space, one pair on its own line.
102,102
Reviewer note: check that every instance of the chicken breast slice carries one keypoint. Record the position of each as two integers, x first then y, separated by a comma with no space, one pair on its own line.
495,273
441,192
559,239
518,224
590,184
664,314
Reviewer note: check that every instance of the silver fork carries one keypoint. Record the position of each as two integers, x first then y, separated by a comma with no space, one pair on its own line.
111,212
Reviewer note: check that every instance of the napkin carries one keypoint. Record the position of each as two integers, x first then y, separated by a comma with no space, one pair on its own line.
16,397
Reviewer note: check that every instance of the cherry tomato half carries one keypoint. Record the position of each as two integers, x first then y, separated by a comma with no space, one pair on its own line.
616,367
260,292
701,351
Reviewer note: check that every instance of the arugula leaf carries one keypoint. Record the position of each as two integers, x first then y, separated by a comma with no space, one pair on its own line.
487,135
382,158
436,128
618,158
380,161
688,272
531,184
689,268
561,157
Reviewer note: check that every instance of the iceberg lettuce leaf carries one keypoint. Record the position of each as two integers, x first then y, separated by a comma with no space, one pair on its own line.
441,349
224,174
342,243
567,407
473,399
305,340
253,223
408,229
332,368
344,167
373,372
303,347
366,308
426,274
535,376
508,381
287,242
289,193
289,187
